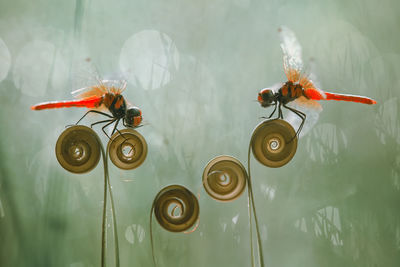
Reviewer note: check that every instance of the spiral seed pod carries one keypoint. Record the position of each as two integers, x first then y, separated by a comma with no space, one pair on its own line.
176,208
224,178
274,143
78,149
127,151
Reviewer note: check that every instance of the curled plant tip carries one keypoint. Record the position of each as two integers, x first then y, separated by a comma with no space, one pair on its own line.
78,149
274,143
127,149
224,178
176,208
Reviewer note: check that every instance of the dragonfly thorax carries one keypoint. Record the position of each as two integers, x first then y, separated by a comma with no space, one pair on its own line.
116,104
289,92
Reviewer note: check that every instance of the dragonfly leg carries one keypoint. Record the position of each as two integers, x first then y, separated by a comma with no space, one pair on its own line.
280,114
273,111
269,117
94,111
115,128
106,126
303,119
126,140
98,122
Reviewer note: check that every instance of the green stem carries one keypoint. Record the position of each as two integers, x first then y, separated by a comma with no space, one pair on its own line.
151,234
107,185
116,246
252,204
104,219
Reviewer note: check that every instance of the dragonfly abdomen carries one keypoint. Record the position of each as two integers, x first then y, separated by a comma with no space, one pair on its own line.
89,102
350,98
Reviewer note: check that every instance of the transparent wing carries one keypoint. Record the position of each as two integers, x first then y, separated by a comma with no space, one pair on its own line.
311,70
292,62
114,86
102,87
84,74
309,107
95,90
304,103
307,81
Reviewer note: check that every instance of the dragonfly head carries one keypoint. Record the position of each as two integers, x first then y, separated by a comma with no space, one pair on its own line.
133,117
266,97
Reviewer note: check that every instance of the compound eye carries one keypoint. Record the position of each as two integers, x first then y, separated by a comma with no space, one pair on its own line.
133,116
268,92
134,112
259,98
137,120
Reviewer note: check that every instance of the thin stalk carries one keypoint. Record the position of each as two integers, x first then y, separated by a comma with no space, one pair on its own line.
252,203
151,234
107,187
115,230
104,219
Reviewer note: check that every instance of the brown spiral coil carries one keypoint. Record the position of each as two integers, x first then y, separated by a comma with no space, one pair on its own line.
224,178
129,150
78,149
176,208
274,143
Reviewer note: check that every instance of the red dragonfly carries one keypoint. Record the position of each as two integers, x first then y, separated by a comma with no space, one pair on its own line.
299,89
99,98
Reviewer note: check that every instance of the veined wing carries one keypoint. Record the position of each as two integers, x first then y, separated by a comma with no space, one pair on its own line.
87,78
103,87
115,86
304,103
311,91
307,81
309,107
292,62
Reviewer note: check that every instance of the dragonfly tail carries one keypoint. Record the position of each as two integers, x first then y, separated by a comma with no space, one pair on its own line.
351,98
89,102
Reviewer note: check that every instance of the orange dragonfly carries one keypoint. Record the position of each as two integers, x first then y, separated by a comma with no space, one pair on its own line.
299,89
106,95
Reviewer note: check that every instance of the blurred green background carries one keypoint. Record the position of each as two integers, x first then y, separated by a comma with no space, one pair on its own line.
195,68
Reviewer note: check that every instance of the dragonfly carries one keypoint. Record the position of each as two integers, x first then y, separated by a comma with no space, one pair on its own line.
104,96
299,90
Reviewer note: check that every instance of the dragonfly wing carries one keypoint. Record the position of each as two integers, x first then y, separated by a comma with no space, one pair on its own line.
309,107
115,86
311,91
95,90
91,91
292,62
304,103
102,87
86,77
84,74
